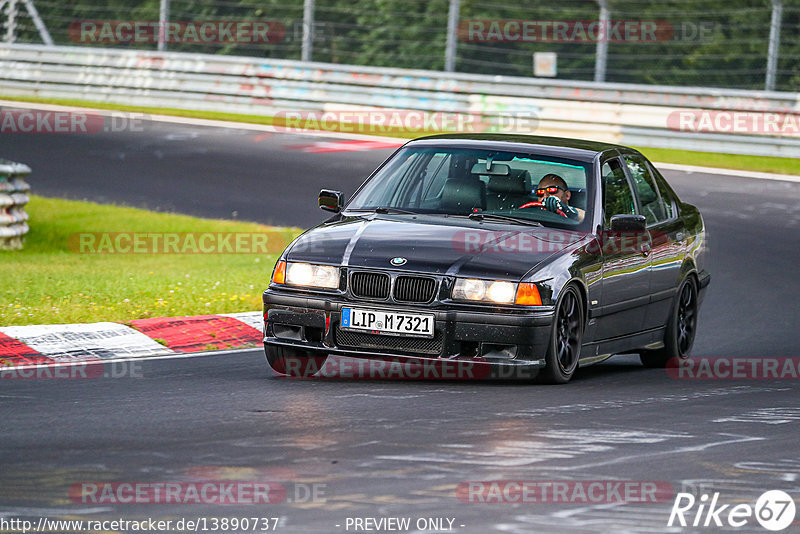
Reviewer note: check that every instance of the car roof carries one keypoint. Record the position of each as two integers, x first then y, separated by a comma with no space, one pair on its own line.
579,149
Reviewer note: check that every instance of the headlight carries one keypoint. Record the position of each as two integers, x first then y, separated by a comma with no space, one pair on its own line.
496,291
484,290
308,275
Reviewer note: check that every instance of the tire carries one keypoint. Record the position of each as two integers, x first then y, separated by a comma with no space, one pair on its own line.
681,328
566,336
296,363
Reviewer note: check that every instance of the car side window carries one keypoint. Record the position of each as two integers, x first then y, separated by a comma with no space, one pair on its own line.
617,194
667,196
649,199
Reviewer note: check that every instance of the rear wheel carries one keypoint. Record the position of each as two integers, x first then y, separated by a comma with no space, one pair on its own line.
566,336
681,328
293,362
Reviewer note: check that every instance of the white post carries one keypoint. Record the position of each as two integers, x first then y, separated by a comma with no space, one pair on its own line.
163,20
308,31
601,56
452,37
38,22
774,44
11,21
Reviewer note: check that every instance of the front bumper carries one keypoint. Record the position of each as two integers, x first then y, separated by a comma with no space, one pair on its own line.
492,336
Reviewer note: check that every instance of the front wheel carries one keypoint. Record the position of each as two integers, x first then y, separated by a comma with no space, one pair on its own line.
293,362
566,336
679,336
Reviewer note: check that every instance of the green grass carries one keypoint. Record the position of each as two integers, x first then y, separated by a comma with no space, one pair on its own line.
49,281
725,161
666,155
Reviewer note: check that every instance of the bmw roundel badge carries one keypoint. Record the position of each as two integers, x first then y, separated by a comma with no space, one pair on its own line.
398,261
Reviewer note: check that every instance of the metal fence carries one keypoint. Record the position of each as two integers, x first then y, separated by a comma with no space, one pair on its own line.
713,120
13,198
748,44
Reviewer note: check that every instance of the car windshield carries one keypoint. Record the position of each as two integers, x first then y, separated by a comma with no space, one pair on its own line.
461,182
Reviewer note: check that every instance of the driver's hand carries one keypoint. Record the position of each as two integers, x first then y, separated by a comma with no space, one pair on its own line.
554,204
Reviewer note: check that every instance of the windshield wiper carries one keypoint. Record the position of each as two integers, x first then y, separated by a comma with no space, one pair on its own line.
478,216
385,210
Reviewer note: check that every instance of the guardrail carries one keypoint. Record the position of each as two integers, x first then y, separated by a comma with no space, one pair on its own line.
620,113
13,198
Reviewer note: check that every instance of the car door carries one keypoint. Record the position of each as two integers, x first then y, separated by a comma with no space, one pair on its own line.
626,260
666,233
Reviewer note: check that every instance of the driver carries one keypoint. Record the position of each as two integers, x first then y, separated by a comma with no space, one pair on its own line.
554,196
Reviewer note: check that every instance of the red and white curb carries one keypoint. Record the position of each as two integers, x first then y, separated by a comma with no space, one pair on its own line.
142,338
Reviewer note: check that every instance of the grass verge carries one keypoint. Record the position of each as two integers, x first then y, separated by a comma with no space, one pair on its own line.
665,155
739,162
51,281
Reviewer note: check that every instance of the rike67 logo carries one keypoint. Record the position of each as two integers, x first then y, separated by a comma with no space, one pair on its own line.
774,510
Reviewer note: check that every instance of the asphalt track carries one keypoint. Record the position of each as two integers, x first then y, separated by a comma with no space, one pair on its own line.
396,448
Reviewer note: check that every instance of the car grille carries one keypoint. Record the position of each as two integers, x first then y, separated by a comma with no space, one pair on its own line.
370,285
377,285
412,345
414,289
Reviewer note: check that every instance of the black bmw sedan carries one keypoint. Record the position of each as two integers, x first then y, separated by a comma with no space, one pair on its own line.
512,252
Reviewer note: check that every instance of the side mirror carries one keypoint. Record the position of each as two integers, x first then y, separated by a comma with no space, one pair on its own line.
331,200
628,223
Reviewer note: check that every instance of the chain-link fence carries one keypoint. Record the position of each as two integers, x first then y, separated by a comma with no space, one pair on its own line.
716,43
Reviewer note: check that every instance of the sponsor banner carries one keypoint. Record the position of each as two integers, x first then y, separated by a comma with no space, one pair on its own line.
187,32
199,333
269,242
568,491
735,368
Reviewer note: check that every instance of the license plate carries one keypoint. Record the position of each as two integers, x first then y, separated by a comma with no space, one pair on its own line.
390,323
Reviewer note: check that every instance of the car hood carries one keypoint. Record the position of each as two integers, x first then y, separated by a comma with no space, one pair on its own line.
431,244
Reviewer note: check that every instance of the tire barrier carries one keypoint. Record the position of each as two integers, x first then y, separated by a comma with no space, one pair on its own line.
13,198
